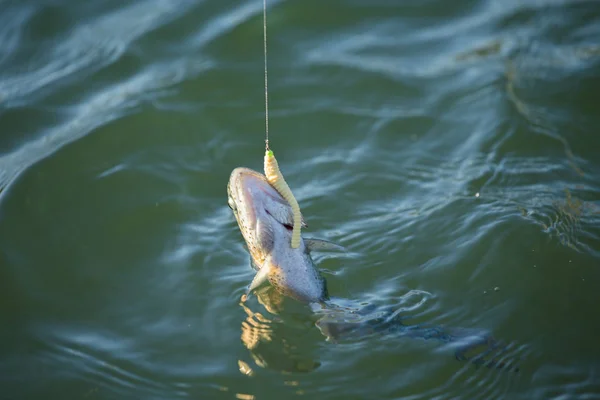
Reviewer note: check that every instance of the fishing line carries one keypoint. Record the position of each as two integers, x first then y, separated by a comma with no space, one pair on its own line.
272,171
266,79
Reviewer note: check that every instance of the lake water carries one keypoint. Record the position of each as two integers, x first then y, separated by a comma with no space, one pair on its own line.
451,147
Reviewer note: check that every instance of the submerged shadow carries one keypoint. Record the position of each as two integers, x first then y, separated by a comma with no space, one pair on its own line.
269,346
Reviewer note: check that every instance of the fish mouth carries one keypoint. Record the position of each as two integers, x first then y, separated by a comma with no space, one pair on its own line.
247,190
239,197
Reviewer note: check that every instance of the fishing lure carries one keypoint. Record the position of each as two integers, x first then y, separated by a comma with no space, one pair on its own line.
276,179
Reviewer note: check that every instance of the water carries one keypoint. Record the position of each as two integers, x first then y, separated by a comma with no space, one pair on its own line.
452,147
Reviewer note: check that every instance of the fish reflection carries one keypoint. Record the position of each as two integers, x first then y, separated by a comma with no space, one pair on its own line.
268,347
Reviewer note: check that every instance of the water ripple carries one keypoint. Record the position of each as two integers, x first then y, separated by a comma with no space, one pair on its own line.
88,47
99,109
449,146
563,382
12,22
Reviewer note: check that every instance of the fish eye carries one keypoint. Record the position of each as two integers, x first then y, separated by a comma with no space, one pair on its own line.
231,203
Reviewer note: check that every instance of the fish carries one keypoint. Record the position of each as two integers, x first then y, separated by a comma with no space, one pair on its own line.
265,220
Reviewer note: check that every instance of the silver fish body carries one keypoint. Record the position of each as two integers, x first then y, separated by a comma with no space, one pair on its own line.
265,220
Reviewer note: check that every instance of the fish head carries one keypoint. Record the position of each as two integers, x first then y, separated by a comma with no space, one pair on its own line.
261,212
265,220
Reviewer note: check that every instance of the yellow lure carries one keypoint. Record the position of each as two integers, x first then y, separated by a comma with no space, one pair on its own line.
275,178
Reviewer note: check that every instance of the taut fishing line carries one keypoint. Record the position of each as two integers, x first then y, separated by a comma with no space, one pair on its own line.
266,75
272,171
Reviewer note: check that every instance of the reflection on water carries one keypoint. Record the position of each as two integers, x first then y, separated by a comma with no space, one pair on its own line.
452,147
263,337
338,323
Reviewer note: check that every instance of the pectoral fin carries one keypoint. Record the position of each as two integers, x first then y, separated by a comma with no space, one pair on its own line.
261,276
322,245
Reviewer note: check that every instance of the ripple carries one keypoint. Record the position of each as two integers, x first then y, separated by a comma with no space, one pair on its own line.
89,46
101,108
449,146
560,382
570,220
98,363
225,22
12,23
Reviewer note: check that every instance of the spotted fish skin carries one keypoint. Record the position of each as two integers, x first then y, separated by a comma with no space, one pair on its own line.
265,220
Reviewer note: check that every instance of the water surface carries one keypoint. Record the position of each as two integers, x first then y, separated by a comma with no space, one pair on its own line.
452,147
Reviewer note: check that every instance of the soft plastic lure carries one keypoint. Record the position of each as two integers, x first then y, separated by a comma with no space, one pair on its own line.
275,178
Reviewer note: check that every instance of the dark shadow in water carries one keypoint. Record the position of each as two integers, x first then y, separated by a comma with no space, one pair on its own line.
271,349
475,346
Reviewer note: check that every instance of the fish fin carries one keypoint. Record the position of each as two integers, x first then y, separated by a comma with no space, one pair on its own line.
261,276
322,245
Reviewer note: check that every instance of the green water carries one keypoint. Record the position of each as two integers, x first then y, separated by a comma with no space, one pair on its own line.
452,147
